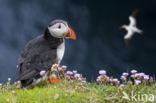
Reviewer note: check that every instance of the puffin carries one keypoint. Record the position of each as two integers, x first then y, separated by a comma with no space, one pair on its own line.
131,28
43,51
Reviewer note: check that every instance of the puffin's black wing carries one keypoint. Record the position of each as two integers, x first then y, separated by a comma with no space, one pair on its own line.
37,55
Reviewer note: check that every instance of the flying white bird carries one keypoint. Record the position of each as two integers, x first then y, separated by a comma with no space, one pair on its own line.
131,28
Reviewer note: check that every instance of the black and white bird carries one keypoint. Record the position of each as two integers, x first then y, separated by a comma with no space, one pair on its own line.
131,28
43,51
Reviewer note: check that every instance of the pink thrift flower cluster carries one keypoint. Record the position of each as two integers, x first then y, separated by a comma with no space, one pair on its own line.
59,72
133,78
73,75
104,79
136,78
140,77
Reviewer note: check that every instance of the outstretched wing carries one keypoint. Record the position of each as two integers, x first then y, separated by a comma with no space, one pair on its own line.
127,38
132,18
127,42
132,21
134,13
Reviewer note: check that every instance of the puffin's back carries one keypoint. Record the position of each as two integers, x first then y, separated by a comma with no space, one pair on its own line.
39,54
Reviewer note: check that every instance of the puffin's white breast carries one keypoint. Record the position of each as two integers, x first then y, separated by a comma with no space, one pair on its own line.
60,51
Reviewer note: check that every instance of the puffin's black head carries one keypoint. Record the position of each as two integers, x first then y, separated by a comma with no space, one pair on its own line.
60,29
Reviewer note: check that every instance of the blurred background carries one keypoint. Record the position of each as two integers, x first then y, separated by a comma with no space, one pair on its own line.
99,43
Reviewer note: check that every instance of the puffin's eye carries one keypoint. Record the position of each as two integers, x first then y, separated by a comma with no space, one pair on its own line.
49,25
59,26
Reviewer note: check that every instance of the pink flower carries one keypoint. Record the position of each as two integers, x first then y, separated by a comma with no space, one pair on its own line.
9,79
118,82
17,86
98,79
55,66
115,80
125,74
42,73
151,78
74,71
18,82
80,79
111,80
102,72
13,92
136,75
69,73
123,78
141,74
59,69
1,86
146,77
133,76
137,82
53,75
64,68
122,85
107,77
133,71
77,75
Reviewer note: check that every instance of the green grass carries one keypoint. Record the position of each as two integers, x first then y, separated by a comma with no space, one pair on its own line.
75,92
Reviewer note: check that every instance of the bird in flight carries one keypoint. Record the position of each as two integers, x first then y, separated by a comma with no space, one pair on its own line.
43,51
131,28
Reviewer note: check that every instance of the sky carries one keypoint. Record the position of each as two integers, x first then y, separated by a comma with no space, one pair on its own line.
99,43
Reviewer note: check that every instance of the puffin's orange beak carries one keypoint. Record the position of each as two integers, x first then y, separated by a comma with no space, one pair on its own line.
71,34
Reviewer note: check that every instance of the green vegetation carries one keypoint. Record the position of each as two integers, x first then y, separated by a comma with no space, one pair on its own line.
71,87
77,92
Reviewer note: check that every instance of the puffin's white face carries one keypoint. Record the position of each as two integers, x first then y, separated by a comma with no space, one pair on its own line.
58,30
